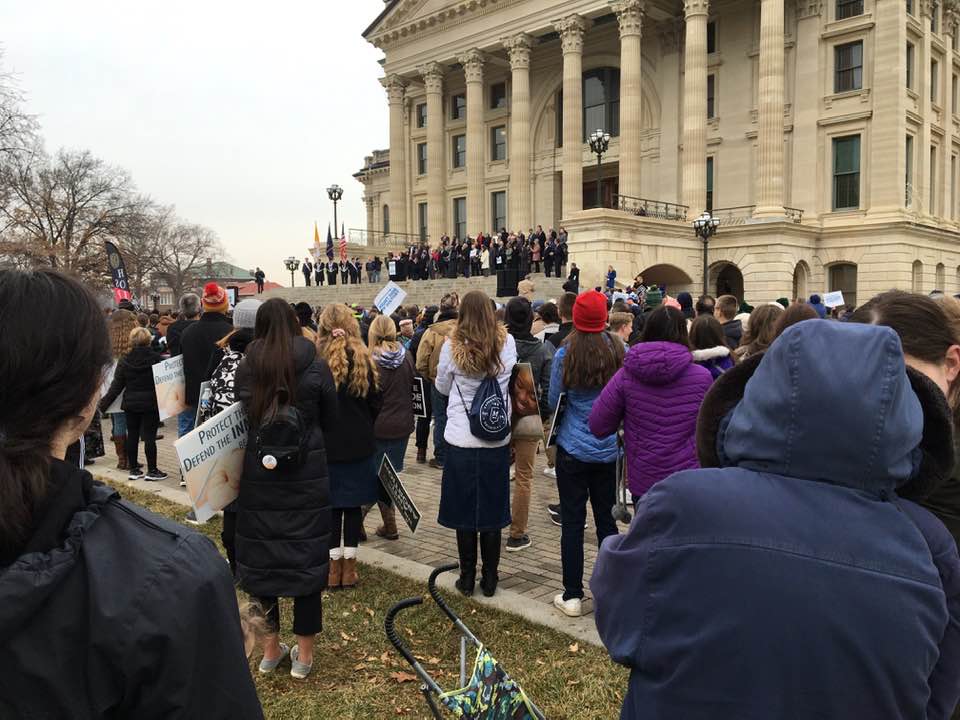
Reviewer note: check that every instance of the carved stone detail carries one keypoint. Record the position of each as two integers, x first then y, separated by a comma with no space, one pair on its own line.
432,74
518,49
395,87
695,7
571,29
472,62
629,16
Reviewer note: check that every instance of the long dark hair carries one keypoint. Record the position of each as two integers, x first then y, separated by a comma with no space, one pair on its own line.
706,332
591,359
50,371
921,323
666,324
272,364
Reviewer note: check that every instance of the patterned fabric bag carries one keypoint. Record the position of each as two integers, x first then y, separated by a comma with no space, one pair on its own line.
491,694
221,386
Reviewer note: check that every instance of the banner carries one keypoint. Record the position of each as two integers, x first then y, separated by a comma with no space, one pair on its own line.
419,398
170,386
211,460
118,273
398,493
389,299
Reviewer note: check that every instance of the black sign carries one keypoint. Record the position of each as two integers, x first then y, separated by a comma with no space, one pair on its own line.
398,493
419,398
118,273
555,420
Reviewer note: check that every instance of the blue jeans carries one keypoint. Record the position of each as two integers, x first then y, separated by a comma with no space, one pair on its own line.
578,482
439,402
185,421
119,422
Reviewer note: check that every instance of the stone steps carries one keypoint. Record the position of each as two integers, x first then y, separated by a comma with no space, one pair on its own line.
419,292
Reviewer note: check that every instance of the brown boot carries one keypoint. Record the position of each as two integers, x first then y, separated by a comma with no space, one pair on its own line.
120,445
363,518
334,579
350,577
421,455
389,528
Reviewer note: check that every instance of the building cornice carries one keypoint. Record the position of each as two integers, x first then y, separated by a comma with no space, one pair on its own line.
396,26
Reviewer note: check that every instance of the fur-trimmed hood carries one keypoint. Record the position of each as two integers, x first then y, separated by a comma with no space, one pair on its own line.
714,353
465,360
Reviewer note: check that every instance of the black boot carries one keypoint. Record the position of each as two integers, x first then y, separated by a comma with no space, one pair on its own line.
490,552
467,551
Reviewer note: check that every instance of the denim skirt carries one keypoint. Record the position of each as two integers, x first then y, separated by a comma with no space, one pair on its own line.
475,490
353,484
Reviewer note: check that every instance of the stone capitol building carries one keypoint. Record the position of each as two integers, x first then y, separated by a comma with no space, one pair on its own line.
825,136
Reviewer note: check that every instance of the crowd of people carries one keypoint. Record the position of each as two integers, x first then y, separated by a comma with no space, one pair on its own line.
793,551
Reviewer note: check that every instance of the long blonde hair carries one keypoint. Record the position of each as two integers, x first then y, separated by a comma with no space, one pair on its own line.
121,323
339,343
478,338
382,335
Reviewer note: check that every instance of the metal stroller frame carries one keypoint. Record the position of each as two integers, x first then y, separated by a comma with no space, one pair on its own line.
431,691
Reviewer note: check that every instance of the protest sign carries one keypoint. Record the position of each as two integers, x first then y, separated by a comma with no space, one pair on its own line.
389,298
115,406
398,493
392,268
619,296
524,404
419,398
833,299
555,420
211,460
170,386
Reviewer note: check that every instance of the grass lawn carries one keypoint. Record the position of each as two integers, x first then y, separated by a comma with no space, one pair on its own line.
358,674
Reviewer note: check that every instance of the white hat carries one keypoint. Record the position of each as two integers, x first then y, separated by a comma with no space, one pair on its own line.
245,313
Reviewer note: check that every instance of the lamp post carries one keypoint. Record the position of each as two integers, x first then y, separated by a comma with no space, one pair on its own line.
335,192
599,143
705,227
292,264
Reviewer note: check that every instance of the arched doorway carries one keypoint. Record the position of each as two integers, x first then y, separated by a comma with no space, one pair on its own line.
726,279
669,276
801,278
843,277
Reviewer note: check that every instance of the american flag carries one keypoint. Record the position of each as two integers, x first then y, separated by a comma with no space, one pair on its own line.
343,247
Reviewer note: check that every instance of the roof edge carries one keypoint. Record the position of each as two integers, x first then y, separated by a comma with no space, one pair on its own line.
386,11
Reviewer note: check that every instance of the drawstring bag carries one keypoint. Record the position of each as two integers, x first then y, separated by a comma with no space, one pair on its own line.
488,415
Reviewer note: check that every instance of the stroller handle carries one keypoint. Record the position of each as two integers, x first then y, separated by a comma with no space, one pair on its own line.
435,594
388,625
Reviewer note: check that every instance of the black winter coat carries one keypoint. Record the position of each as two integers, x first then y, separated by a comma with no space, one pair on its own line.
112,612
540,356
197,345
134,378
283,521
351,437
174,334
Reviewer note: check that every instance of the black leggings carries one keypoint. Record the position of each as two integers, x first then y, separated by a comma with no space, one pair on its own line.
347,523
307,614
142,426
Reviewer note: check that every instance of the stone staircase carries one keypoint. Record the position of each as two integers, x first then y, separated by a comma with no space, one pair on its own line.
419,292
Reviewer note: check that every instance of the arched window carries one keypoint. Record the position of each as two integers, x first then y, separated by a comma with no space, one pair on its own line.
941,278
916,279
386,219
601,103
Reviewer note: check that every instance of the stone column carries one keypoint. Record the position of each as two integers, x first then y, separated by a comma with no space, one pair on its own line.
806,110
630,17
371,217
770,112
472,63
571,31
923,190
432,74
398,171
695,107
519,212
888,127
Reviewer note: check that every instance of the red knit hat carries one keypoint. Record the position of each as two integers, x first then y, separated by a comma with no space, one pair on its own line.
590,312
214,298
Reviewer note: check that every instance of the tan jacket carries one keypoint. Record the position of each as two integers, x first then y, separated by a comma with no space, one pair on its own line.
428,354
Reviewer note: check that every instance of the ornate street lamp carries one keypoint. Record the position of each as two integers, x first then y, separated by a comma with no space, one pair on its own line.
705,227
599,143
335,192
292,264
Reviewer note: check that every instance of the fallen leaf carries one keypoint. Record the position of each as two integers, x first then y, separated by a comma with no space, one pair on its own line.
359,666
433,661
372,658
573,682
402,677
347,637
574,648
540,662
369,611
385,657
409,632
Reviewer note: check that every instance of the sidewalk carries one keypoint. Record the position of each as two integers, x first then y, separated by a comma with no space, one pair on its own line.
529,579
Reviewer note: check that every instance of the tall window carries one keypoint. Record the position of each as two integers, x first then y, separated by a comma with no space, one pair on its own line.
916,279
911,52
498,143
711,95
459,151
849,8
848,67
934,79
498,95
458,106
421,158
910,7
386,219
711,37
601,101
846,173
498,209
953,94
422,221
710,183
934,16
908,181
941,276
460,218
421,115
932,205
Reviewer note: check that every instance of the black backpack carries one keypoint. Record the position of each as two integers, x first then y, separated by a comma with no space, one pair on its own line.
488,416
281,438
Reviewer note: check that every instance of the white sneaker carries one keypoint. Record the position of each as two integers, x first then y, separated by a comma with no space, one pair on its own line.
550,472
571,608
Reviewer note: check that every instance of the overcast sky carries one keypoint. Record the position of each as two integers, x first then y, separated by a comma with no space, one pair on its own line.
238,113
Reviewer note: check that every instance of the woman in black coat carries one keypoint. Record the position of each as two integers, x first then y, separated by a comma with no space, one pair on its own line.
134,378
283,523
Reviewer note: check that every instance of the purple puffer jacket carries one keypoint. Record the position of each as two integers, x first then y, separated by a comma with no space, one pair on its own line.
657,395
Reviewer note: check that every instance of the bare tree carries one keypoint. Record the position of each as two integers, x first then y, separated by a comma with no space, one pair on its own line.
182,252
18,130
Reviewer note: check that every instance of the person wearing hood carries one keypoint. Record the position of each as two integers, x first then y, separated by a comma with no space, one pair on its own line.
686,305
726,310
585,464
428,359
395,420
134,378
198,343
106,610
791,546
660,373
817,304
540,356
709,346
